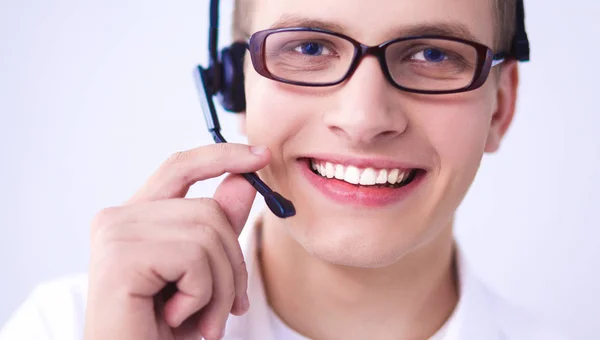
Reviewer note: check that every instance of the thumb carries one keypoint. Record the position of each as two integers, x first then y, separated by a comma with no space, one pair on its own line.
235,196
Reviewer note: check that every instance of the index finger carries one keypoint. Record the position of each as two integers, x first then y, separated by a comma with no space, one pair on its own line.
174,177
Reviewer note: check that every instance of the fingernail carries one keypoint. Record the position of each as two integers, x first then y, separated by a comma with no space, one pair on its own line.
258,150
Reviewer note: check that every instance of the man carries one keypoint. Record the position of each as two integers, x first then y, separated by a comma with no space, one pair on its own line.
372,118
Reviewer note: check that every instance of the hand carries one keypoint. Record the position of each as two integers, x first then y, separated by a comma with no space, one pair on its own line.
166,267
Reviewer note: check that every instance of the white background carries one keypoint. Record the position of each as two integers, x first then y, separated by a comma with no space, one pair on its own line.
95,95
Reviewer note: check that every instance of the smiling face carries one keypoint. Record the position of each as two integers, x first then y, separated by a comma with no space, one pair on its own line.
334,147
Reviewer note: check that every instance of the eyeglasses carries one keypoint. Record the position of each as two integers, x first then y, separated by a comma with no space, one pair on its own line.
419,64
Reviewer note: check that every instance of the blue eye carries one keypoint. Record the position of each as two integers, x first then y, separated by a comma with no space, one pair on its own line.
312,49
433,55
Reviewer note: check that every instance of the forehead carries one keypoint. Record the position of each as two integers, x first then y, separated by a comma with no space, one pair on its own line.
374,21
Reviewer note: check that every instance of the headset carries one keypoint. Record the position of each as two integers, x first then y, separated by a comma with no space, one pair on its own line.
224,78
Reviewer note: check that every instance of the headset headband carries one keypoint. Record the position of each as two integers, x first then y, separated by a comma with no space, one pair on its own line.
214,66
520,46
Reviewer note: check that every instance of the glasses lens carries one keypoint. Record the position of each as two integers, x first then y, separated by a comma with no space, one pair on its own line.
432,64
308,57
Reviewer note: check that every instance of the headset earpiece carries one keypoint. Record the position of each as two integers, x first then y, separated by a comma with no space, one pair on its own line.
231,94
520,44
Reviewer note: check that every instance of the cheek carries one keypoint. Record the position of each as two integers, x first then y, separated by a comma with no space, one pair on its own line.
458,131
268,116
274,117
280,115
455,131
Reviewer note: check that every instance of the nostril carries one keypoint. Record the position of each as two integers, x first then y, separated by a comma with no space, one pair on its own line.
389,134
337,130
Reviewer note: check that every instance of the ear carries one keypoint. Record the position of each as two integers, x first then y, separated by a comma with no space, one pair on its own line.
506,100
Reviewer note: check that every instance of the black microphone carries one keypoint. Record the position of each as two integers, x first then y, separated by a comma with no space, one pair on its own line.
209,82
279,205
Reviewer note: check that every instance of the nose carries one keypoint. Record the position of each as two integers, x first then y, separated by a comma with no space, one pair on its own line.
367,109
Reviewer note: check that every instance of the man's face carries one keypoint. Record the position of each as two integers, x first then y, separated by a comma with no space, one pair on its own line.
368,123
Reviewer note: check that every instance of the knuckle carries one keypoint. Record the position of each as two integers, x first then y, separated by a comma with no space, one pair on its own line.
217,152
205,291
174,167
223,149
224,152
229,289
241,271
212,205
177,157
196,254
230,293
105,219
208,234
211,212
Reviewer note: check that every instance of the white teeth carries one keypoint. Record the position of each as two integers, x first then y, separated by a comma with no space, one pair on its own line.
382,178
329,170
322,170
393,176
352,175
339,172
368,177
401,177
318,168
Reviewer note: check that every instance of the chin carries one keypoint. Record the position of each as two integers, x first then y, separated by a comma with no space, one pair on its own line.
359,245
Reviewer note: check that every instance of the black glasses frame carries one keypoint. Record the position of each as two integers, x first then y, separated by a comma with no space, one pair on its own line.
486,58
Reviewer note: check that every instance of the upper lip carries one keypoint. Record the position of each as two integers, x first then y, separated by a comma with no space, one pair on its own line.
365,162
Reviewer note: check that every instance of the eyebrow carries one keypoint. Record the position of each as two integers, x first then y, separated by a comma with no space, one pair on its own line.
296,21
447,29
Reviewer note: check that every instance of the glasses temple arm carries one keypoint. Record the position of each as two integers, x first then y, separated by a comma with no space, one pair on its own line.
498,59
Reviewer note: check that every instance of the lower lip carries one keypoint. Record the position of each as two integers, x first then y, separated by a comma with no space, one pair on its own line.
346,193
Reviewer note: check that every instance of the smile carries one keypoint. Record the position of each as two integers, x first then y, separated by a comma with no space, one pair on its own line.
361,182
391,178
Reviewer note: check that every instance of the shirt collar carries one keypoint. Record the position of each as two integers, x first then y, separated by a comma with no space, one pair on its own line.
473,315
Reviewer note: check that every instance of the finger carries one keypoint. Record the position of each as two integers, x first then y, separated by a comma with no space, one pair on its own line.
183,220
163,216
214,216
189,329
185,263
235,196
214,316
174,177
203,277
219,221
189,299
194,286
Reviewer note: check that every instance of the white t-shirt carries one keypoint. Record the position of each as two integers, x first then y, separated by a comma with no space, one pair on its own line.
282,332
56,311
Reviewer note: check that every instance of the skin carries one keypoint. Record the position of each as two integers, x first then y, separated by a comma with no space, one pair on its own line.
332,271
385,270
159,237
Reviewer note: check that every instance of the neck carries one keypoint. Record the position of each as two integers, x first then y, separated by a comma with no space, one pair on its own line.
410,299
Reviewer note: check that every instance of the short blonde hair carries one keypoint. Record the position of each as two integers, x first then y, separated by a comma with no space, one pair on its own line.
242,11
504,24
